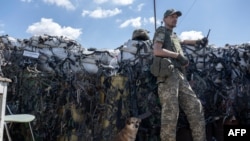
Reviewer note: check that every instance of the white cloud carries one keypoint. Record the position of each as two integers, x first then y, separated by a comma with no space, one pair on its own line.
116,2
100,1
26,1
123,2
152,21
191,35
101,13
136,22
139,7
48,26
85,13
145,21
62,3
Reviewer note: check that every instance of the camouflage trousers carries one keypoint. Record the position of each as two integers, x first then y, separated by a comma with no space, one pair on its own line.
173,92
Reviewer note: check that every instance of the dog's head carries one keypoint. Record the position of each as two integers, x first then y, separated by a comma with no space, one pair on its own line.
133,123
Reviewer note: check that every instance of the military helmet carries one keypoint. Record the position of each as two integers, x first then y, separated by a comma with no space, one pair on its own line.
140,34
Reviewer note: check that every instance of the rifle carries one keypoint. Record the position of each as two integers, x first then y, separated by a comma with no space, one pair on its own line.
204,49
208,33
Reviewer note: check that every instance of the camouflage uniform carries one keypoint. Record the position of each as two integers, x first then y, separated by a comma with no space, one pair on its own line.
175,91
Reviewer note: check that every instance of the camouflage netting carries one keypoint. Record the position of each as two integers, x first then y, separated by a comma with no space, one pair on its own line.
80,94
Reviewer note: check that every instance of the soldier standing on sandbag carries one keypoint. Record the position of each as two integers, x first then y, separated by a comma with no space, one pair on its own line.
173,87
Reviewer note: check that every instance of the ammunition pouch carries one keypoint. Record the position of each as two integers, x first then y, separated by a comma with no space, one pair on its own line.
161,67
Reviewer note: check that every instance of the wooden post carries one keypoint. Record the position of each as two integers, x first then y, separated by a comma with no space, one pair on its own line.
3,95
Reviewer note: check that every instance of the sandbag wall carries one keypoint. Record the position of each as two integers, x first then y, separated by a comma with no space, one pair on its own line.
75,93
221,79
86,94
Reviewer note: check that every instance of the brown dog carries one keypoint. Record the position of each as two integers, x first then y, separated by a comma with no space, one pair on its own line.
128,133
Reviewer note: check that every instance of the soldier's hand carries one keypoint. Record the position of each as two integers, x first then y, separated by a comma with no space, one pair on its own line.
182,60
202,42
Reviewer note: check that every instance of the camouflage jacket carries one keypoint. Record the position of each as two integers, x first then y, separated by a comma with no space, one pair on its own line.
170,42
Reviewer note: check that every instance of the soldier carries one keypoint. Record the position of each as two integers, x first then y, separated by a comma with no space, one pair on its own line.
174,90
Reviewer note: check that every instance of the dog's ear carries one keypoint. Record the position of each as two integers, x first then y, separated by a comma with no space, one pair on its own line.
128,121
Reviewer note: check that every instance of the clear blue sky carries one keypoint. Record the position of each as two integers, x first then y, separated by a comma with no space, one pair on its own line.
110,23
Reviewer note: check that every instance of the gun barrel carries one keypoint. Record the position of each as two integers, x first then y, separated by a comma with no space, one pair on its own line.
208,33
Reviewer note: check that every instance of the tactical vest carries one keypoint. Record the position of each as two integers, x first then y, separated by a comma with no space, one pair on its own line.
161,66
172,43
